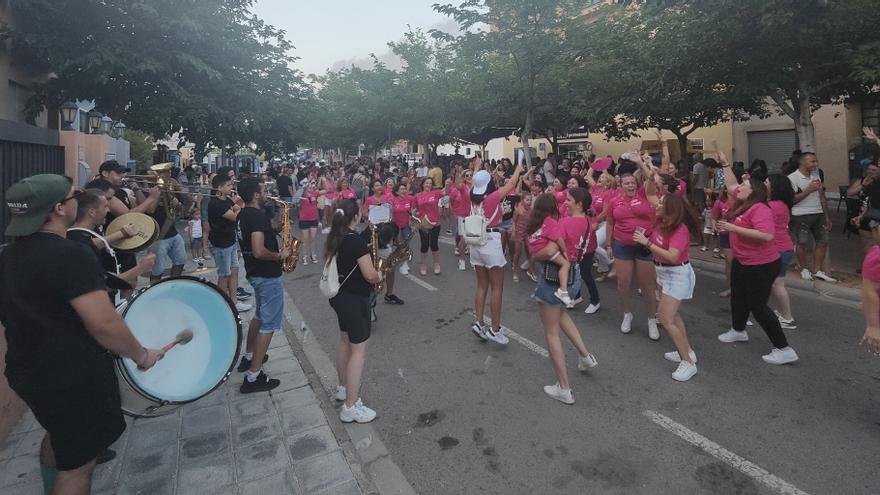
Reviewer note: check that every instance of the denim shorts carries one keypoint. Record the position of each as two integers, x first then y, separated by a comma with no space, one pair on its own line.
625,252
506,225
170,251
545,292
404,232
677,281
269,301
724,240
225,258
805,228
785,257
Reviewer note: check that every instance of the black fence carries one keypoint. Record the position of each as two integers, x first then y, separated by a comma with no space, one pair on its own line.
19,160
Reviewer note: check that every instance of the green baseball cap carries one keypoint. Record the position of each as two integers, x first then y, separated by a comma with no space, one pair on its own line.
30,200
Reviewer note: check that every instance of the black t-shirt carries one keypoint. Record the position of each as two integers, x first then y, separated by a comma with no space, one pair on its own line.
160,215
285,184
48,345
353,247
252,220
108,263
508,206
121,195
222,234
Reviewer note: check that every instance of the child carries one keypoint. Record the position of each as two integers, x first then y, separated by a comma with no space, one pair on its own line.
520,223
194,230
547,241
708,223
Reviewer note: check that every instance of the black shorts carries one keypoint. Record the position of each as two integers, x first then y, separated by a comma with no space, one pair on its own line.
308,224
82,421
353,313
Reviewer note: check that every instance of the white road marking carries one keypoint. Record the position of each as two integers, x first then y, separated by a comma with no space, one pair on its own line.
528,344
446,240
420,282
749,468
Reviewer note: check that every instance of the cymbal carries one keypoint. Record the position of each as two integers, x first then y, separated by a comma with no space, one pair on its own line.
146,232
162,167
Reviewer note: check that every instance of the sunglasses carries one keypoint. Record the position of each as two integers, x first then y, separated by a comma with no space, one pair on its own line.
76,193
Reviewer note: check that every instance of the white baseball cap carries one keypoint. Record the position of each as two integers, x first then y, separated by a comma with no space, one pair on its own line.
481,182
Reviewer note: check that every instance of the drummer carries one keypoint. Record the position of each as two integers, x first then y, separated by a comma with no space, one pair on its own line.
59,327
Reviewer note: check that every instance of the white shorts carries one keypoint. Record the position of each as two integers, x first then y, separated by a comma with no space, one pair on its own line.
491,255
677,281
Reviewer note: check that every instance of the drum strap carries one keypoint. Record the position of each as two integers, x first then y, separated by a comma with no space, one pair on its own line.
109,249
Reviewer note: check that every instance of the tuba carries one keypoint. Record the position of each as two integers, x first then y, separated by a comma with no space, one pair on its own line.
381,264
287,240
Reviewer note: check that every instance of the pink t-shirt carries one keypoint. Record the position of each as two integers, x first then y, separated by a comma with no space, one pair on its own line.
491,204
682,188
331,196
629,214
577,235
426,202
680,239
871,265
348,194
550,231
308,207
387,195
400,210
373,200
461,200
719,209
751,251
561,196
781,216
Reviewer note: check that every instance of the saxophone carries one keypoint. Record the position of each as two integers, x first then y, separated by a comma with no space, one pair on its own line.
381,264
401,252
287,240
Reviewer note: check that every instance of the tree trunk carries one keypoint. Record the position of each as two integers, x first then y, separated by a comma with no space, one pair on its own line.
682,146
524,139
803,125
427,153
554,143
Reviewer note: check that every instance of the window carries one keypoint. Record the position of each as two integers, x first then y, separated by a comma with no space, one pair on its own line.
697,143
871,115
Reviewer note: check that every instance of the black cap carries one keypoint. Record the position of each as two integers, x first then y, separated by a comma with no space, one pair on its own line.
113,166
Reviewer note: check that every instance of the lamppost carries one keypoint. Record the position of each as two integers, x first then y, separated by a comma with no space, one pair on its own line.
94,121
68,114
120,129
106,125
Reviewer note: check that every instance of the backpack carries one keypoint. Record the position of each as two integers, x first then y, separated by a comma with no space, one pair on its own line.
475,226
329,284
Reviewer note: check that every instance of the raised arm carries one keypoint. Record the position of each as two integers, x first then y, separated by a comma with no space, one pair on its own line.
514,180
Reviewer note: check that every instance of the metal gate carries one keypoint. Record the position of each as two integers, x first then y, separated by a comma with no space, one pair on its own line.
19,160
774,147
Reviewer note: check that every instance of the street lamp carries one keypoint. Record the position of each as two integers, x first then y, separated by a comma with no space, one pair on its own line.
95,120
106,125
68,114
120,129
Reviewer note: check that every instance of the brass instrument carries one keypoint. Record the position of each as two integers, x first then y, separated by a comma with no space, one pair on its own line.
287,240
381,264
401,252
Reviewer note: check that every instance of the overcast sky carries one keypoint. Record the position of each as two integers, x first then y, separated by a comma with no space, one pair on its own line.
334,33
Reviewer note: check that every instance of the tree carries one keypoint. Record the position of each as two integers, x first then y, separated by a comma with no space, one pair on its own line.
527,39
141,149
212,71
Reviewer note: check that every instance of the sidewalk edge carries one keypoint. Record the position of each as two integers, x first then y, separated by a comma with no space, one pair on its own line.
370,461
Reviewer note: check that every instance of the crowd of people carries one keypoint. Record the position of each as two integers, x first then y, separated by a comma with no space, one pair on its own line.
566,225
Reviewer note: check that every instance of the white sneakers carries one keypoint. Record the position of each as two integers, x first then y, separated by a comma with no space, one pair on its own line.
824,277
563,296
340,393
787,324
461,265
733,336
358,413
806,275
684,372
242,307
653,332
675,358
404,268
626,324
477,330
561,394
587,362
494,336
576,301
780,356
592,308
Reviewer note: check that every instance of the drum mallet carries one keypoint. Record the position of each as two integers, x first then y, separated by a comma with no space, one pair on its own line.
182,338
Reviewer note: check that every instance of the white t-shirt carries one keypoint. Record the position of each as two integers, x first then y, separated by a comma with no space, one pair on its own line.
422,172
195,227
548,172
812,204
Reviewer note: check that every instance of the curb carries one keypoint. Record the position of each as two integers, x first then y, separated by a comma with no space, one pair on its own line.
845,295
371,463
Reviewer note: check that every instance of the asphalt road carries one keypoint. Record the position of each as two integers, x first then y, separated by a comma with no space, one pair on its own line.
462,416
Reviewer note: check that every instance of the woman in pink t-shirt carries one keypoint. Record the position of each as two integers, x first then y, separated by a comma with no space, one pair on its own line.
308,222
871,298
488,260
429,230
669,243
628,211
548,234
781,201
520,221
601,190
402,205
460,196
719,212
755,264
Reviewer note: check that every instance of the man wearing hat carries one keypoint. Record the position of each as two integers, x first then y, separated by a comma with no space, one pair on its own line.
60,326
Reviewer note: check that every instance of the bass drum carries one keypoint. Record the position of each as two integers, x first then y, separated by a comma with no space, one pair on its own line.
188,372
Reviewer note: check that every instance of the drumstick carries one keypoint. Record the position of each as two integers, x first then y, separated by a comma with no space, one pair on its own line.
182,338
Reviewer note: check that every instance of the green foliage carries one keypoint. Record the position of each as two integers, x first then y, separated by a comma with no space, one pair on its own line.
210,69
141,149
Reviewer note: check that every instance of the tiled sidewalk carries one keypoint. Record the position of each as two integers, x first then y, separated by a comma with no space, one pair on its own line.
276,442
